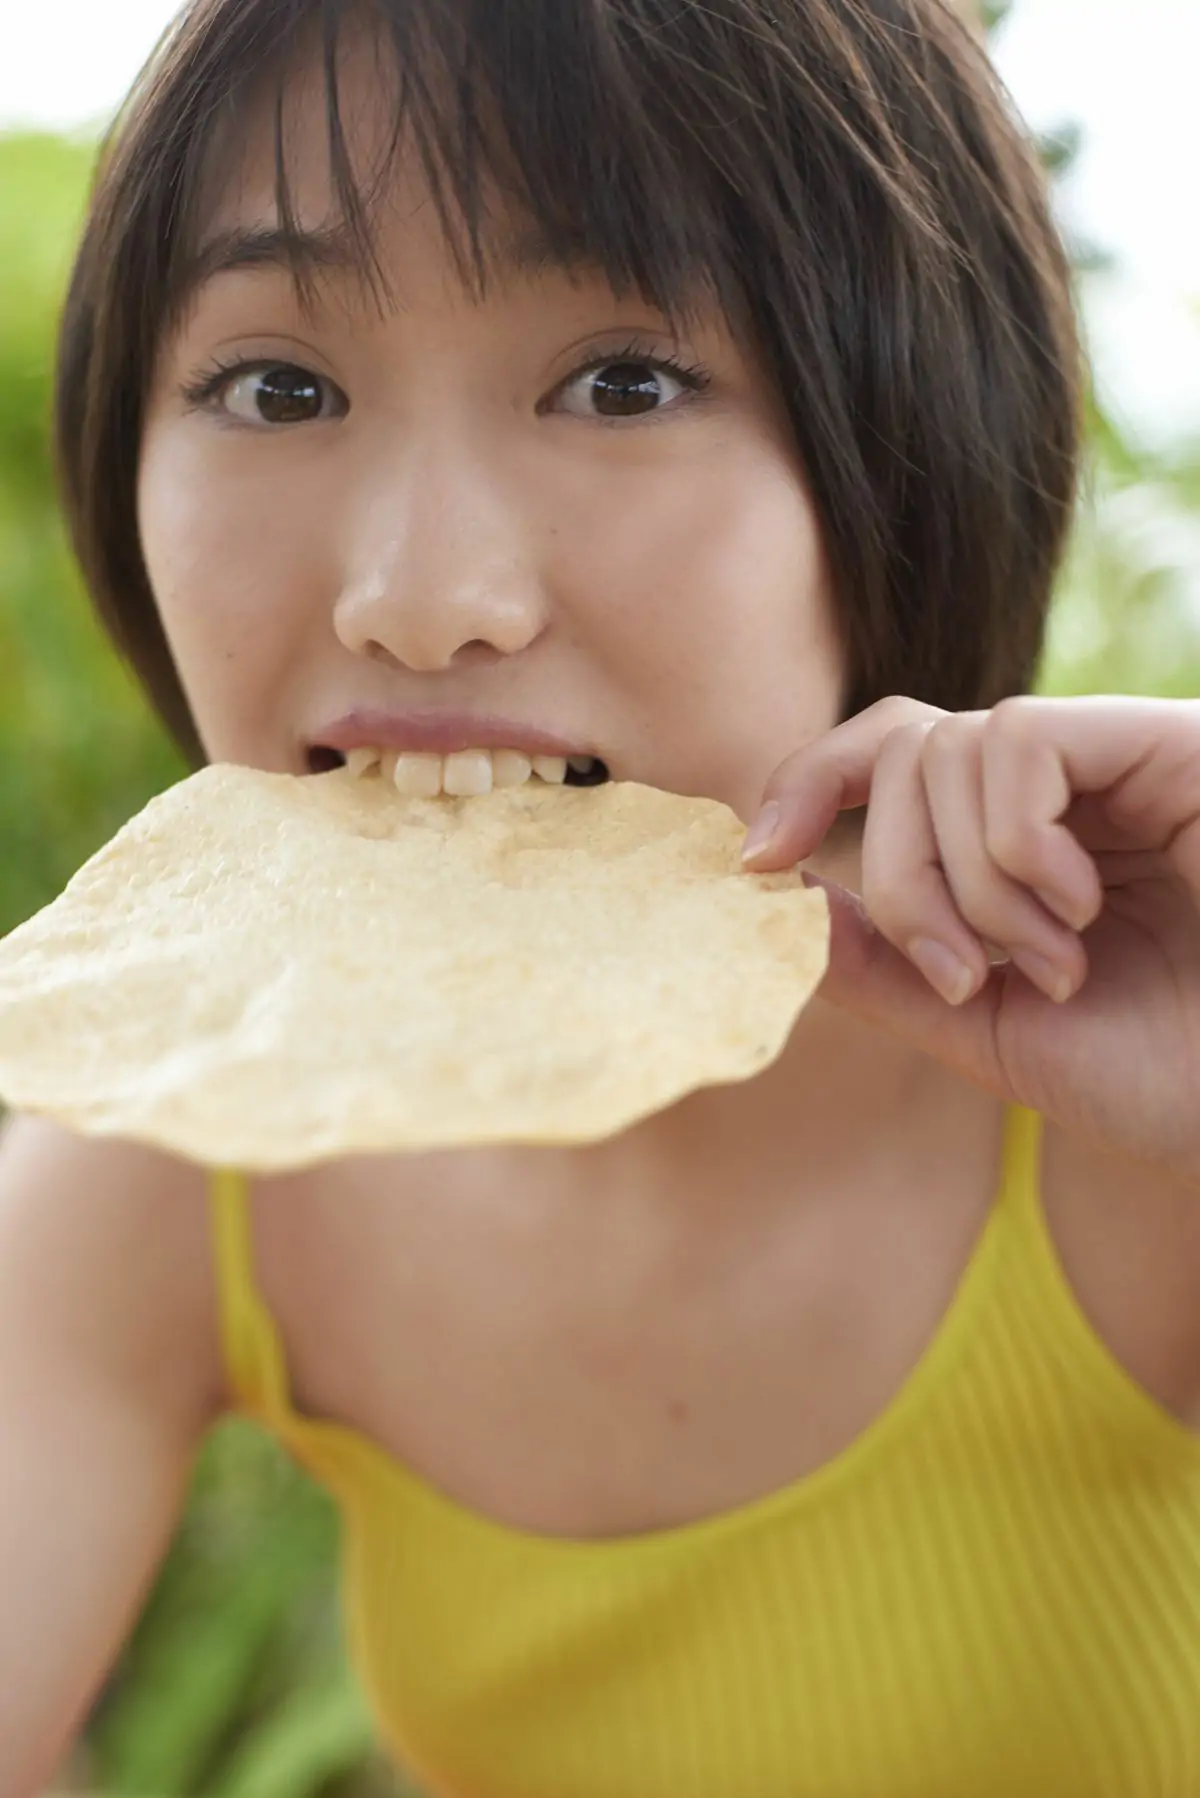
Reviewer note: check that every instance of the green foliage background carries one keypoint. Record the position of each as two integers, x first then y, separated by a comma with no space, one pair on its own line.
234,1684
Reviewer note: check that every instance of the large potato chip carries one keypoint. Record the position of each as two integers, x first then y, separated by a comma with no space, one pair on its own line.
264,971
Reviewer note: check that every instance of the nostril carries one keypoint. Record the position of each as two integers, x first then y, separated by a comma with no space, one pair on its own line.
322,760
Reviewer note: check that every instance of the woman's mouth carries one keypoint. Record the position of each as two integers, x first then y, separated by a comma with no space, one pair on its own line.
461,772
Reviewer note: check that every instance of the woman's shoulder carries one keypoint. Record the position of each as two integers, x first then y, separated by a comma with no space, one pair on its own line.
108,1243
1128,1240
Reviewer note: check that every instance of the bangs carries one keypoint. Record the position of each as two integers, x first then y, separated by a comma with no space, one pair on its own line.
591,123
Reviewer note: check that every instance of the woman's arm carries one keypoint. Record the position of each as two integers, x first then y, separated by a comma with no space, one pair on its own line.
109,1377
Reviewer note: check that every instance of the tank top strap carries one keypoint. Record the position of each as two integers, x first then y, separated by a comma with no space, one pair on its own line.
1020,1173
251,1349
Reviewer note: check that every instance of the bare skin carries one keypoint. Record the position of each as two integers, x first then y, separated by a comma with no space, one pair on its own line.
560,1350
605,1340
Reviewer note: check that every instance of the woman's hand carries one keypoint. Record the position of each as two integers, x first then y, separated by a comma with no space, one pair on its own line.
1064,833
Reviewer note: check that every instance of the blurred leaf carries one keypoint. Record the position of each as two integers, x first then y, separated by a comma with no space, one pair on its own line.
1059,148
79,748
42,190
316,1735
235,1572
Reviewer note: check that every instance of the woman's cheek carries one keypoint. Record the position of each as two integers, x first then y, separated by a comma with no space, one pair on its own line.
229,572
738,658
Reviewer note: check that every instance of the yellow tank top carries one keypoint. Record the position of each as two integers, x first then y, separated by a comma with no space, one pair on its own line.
993,1592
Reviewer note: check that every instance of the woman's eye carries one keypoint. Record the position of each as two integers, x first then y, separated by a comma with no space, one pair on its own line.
275,393
622,389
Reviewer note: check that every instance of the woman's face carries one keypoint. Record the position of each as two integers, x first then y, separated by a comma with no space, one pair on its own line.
506,510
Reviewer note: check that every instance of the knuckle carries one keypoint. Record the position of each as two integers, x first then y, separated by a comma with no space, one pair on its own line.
905,740
950,737
896,907
893,915
896,710
982,898
1014,844
1014,719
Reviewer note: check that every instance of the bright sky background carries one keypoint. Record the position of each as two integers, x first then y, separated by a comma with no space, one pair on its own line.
1126,70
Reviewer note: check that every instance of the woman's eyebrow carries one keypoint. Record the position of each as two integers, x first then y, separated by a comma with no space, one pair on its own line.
523,251
264,246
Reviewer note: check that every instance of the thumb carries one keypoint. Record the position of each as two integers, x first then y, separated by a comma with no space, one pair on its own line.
868,977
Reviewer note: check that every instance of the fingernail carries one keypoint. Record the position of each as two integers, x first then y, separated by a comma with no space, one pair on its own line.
1071,909
943,969
759,835
1054,981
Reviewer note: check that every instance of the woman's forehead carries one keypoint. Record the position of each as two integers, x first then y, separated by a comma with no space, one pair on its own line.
336,155
286,109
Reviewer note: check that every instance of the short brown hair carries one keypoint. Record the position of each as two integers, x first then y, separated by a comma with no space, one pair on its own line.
844,175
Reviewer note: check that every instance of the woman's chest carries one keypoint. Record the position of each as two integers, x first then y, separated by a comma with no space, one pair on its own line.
591,1376
594,1367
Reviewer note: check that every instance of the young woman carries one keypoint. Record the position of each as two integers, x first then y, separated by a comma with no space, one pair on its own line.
690,390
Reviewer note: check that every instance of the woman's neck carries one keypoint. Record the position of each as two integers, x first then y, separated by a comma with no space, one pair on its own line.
846,1114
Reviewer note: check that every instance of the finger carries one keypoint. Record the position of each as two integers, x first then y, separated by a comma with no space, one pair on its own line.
988,899
830,775
1027,795
1104,738
1142,754
903,886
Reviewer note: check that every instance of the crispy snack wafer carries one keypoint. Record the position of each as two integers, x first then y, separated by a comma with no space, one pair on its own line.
265,971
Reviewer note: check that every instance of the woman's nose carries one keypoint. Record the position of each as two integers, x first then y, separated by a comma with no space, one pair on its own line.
440,572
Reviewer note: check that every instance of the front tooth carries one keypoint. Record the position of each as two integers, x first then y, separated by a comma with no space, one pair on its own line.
418,776
550,767
510,768
360,761
468,772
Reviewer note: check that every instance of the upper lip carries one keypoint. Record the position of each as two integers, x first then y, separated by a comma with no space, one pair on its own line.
439,733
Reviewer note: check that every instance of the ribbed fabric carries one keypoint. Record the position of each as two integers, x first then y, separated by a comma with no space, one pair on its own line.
994,1592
